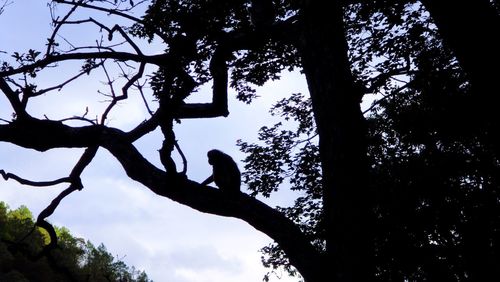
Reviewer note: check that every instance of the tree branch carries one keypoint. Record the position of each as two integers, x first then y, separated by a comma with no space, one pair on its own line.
8,175
51,40
13,98
60,85
76,184
97,8
159,60
110,12
173,186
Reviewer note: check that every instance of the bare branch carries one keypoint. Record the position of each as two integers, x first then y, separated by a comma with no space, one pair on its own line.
61,85
89,20
124,95
109,30
99,47
8,175
3,5
78,118
76,184
83,162
160,60
120,13
139,87
109,11
58,25
126,37
110,82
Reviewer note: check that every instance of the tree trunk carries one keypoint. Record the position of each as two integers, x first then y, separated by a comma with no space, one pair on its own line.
342,132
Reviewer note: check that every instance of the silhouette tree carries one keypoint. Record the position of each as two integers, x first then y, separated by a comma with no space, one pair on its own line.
433,165
364,215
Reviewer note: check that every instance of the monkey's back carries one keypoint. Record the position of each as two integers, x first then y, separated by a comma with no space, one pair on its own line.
227,175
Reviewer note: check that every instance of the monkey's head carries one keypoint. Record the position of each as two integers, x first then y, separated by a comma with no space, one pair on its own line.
213,156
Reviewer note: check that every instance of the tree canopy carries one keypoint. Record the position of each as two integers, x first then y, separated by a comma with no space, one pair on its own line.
403,190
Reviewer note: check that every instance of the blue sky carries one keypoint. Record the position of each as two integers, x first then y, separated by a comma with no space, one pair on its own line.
170,241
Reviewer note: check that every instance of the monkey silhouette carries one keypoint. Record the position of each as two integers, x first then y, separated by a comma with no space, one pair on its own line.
225,172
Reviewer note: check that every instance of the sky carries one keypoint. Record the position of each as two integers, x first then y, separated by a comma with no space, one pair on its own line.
169,241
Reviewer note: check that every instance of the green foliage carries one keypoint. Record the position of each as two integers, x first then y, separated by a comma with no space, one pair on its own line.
73,260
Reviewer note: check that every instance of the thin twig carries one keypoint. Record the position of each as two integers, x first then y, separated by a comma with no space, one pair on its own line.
98,47
51,40
184,160
139,87
126,37
78,118
109,11
115,12
61,85
124,95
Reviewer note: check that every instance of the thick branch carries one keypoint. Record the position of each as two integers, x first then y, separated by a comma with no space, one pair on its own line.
75,184
218,70
227,44
213,201
175,187
43,135
12,97
145,127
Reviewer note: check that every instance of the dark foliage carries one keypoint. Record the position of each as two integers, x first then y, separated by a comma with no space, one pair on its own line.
434,172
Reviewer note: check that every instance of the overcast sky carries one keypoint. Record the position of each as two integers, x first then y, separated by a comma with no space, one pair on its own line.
169,241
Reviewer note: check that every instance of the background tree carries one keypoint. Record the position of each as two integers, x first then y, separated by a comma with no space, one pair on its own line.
396,195
73,260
